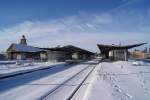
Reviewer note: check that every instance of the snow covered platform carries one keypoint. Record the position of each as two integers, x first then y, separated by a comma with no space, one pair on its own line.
120,80
56,83
7,62
12,68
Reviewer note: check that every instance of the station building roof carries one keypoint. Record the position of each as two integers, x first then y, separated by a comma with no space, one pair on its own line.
23,48
70,49
106,48
116,47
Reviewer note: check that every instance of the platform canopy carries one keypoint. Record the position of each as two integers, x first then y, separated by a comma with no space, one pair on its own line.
106,48
70,49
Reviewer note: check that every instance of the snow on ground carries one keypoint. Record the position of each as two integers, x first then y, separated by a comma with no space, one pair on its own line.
120,80
34,85
9,69
68,88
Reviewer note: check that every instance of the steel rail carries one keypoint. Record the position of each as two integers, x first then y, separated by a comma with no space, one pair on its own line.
45,97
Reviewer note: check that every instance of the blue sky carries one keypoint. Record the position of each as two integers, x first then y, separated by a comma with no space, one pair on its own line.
20,10
84,23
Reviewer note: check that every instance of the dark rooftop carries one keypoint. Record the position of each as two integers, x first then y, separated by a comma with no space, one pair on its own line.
69,48
119,46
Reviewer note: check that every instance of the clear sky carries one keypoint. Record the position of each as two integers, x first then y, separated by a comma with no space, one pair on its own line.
84,23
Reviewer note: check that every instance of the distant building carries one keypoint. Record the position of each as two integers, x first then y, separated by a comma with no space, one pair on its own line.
116,52
140,54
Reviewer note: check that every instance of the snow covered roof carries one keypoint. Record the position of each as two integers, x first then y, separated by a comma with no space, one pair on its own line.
25,48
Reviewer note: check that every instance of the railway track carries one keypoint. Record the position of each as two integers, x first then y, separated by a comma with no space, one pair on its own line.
69,86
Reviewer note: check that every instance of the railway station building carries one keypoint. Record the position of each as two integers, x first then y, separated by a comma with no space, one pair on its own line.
23,51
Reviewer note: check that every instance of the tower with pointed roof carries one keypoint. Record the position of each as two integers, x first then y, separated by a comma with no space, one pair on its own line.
23,40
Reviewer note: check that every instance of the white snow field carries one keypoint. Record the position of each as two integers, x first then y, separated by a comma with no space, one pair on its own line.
36,85
120,80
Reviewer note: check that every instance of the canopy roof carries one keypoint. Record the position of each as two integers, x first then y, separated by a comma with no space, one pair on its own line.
70,49
119,46
76,49
106,48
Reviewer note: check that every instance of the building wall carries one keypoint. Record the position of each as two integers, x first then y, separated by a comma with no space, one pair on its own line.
43,56
137,54
118,55
23,56
141,55
15,56
75,56
56,56
81,56
20,56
